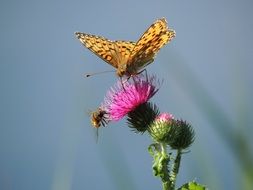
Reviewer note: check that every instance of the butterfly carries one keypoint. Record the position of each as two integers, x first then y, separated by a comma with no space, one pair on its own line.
98,118
128,57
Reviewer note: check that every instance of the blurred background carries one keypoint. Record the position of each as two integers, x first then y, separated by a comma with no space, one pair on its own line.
46,139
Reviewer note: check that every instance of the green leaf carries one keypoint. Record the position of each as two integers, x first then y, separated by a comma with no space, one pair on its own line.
192,186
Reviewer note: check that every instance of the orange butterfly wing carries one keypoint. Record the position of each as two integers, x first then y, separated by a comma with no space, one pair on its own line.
153,39
113,52
125,47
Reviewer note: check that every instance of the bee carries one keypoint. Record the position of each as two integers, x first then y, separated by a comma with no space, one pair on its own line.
98,118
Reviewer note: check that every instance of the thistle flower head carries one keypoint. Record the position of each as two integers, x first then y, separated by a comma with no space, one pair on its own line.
141,118
160,129
178,134
183,135
124,98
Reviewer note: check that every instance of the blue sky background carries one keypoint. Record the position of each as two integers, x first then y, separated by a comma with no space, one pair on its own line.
46,140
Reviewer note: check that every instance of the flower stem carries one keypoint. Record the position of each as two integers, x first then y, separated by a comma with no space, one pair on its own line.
161,165
166,186
175,169
164,161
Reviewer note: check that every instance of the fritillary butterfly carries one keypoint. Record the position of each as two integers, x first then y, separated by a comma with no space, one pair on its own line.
128,57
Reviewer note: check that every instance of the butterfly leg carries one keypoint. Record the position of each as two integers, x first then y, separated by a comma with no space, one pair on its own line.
146,73
122,83
133,77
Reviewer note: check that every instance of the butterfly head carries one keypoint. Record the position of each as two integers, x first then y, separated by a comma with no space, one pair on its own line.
121,70
127,70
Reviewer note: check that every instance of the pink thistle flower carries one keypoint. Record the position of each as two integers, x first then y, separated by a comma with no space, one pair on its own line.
120,100
164,117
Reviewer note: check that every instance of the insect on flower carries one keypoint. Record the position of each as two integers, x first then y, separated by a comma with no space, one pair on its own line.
129,58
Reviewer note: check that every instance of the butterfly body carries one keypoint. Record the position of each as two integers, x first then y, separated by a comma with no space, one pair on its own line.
128,57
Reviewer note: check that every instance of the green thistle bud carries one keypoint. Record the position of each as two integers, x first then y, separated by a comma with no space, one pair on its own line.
142,116
178,134
160,130
182,134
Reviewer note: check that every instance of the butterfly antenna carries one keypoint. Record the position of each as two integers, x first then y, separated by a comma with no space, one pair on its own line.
96,73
